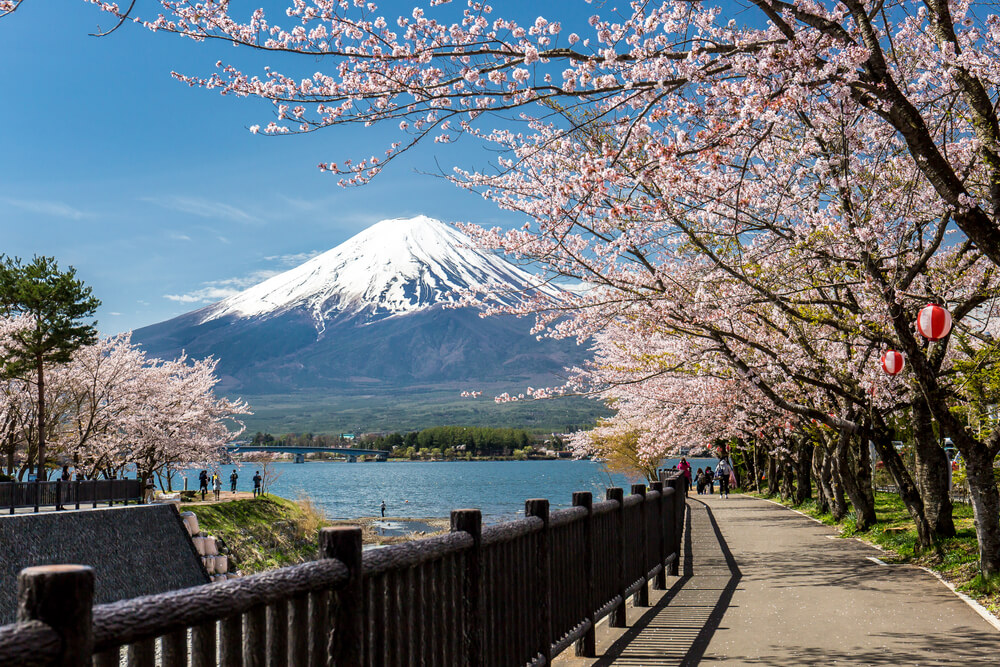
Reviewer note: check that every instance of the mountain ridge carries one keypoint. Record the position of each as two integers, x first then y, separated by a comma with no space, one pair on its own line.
378,310
419,262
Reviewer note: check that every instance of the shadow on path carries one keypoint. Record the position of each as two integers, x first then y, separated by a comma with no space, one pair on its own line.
676,630
697,649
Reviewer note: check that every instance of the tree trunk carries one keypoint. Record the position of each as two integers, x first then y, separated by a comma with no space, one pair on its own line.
863,471
40,368
985,508
772,474
932,474
864,511
11,452
787,476
908,492
803,467
823,493
838,504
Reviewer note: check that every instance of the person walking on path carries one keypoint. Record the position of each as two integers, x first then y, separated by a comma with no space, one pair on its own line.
216,486
256,484
383,509
711,479
685,468
203,483
233,476
722,474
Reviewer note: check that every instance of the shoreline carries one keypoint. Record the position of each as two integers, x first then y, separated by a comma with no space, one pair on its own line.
479,459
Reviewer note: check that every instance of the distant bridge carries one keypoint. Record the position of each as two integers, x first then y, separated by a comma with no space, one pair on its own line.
352,453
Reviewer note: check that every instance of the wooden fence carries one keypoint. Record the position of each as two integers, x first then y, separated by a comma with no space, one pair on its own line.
69,494
514,593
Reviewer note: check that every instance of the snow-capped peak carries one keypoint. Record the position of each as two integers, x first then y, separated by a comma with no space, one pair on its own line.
393,267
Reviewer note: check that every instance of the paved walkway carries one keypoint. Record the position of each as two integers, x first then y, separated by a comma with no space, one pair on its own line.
762,585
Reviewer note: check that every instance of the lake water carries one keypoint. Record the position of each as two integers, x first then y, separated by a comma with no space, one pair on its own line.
498,488
432,489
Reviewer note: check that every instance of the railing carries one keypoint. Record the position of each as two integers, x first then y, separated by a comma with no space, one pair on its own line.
515,593
65,494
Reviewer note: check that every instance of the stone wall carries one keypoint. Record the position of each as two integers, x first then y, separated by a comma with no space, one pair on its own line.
134,550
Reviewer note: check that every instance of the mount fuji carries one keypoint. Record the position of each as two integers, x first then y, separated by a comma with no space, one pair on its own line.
371,313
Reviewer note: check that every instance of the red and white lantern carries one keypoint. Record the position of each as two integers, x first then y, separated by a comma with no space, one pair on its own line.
933,322
892,362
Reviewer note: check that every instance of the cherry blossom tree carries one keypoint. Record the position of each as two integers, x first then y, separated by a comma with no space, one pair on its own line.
924,72
781,192
110,409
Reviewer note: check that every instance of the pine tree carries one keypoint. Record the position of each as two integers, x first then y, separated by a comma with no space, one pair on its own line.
56,303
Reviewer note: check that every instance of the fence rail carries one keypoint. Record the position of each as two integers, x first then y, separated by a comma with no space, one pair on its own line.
66,494
515,593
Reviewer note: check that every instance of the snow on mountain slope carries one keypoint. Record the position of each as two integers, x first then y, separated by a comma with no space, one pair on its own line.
394,267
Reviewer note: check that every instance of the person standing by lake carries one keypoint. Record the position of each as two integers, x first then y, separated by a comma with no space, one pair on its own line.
203,483
256,484
216,486
233,476
383,509
722,474
685,468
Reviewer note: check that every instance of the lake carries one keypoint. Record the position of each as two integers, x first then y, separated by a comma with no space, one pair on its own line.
430,489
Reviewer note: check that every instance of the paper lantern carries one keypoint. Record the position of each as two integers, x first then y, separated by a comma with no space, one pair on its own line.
892,362
933,322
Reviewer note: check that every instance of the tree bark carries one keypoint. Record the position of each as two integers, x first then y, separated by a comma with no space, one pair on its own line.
787,477
40,471
11,452
933,480
803,467
838,504
772,474
864,511
907,489
823,493
754,470
985,508
863,471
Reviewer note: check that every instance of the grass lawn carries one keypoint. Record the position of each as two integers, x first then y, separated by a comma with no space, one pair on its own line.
956,559
262,533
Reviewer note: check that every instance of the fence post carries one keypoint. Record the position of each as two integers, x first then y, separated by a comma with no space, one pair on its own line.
77,489
617,617
58,495
543,576
62,597
660,581
346,641
471,521
674,534
586,645
38,491
681,510
641,597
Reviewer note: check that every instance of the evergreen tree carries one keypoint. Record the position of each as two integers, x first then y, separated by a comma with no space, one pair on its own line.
56,304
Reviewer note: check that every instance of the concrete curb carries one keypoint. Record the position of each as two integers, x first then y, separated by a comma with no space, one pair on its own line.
976,607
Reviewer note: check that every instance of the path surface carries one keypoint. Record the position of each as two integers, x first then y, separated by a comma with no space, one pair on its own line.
762,585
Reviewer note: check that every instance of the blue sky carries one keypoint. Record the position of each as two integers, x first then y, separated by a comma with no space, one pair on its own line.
156,192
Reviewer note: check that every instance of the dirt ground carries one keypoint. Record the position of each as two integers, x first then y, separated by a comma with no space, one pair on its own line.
369,524
371,534
224,497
